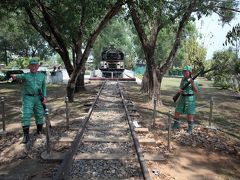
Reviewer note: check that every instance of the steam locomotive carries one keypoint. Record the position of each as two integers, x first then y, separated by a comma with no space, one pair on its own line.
112,63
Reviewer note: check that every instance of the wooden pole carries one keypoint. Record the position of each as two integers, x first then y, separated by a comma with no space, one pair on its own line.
48,133
154,110
210,112
169,130
3,113
67,112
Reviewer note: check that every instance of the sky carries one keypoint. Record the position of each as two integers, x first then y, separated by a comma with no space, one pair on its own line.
214,34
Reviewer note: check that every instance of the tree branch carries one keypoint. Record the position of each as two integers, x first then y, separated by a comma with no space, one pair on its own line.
53,38
137,23
154,32
78,44
54,30
229,9
112,12
181,26
38,28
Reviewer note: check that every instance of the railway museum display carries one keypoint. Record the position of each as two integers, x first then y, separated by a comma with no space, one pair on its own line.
112,63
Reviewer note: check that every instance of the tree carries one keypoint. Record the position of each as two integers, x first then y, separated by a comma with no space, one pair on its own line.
114,34
194,53
68,24
233,38
118,33
228,69
158,15
18,39
190,52
162,16
74,24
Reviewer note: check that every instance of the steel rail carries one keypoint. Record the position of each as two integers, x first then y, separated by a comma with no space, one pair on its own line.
68,158
144,169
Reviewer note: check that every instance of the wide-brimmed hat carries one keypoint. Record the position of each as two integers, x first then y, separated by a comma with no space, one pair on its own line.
33,61
187,68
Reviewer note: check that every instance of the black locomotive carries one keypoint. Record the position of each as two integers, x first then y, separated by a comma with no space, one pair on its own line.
112,63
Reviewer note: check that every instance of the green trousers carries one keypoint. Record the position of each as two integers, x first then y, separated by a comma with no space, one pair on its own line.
31,104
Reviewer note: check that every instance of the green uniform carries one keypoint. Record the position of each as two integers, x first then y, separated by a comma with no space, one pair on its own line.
186,102
33,82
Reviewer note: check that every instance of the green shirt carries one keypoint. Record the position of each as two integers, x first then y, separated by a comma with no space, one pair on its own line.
186,104
189,89
33,82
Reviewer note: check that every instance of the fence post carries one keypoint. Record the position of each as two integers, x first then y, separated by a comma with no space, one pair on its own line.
67,112
154,110
169,129
210,112
48,133
3,114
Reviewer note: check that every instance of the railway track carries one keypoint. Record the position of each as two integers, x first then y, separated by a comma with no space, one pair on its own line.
105,146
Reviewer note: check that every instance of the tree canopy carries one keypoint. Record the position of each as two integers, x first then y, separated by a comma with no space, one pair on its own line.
158,27
233,38
20,40
151,18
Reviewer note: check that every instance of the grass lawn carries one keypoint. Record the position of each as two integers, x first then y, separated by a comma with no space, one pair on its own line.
205,155
226,106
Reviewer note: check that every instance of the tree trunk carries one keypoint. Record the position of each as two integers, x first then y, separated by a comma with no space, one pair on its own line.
153,75
145,84
77,75
5,55
56,40
73,58
152,86
70,89
149,84
158,83
80,83
67,62
73,87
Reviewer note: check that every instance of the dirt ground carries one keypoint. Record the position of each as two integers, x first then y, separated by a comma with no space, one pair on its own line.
208,154
211,153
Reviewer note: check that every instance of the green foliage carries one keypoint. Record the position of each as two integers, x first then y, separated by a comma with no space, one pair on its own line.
221,7
194,53
190,31
225,9
237,67
20,63
190,51
119,34
226,61
222,81
18,38
175,72
234,35
207,65
68,14
164,42
135,44
233,38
